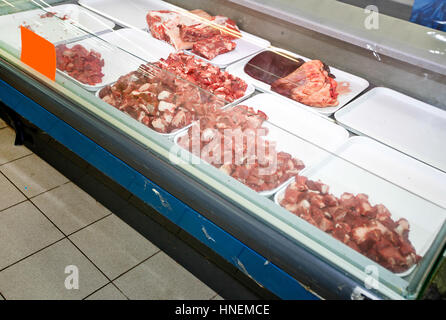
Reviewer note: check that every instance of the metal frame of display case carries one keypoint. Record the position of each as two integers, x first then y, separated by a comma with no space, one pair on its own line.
266,255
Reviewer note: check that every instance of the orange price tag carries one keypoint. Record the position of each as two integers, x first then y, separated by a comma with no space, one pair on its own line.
38,53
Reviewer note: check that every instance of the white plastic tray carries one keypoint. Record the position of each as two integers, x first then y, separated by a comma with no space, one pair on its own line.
425,218
113,67
295,131
357,84
139,43
133,14
129,13
406,124
396,167
308,126
53,29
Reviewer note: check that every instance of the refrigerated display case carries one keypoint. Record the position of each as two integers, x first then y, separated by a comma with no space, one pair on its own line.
302,141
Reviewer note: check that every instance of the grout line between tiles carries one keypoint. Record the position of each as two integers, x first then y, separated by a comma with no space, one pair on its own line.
89,259
216,294
16,204
122,292
91,223
19,158
114,285
4,298
36,195
35,252
66,237
38,209
138,264
22,157
51,189
102,287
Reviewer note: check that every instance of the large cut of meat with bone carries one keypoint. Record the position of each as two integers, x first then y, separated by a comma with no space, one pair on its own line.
309,84
351,219
233,141
183,29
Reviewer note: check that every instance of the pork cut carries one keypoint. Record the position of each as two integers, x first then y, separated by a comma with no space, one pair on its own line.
310,84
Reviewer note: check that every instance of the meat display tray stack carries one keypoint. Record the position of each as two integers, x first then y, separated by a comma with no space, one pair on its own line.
399,121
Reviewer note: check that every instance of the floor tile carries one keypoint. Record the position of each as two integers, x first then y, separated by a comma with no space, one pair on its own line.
160,277
217,297
8,151
32,175
9,194
113,246
23,231
109,292
43,275
69,207
2,125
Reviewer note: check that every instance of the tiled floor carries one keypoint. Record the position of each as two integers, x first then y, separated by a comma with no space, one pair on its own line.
52,231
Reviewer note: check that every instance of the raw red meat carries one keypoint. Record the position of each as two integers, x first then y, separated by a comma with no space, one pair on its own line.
206,76
232,140
164,25
80,63
159,99
184,29
210,48
310,84
48,15
351,219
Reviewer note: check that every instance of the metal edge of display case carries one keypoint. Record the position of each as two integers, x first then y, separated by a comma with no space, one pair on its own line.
350,32
303,266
